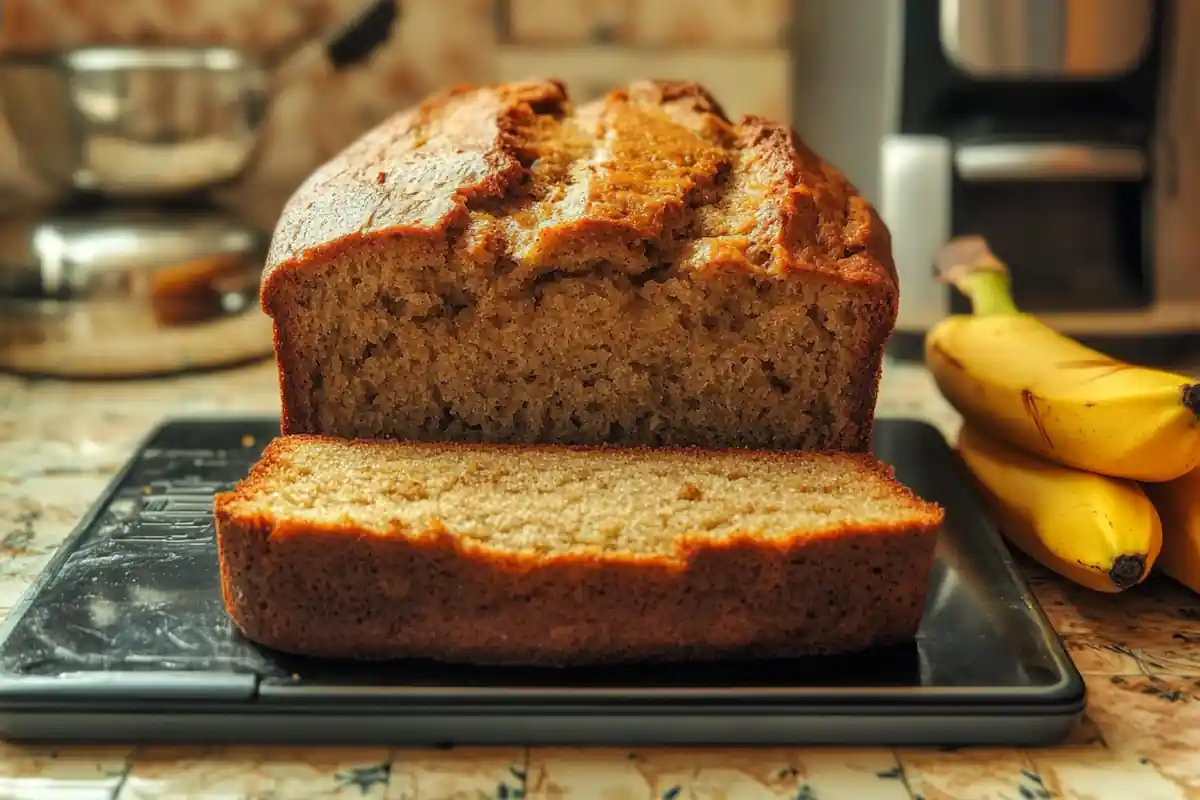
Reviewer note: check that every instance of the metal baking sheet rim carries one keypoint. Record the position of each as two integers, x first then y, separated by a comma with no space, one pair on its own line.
30,704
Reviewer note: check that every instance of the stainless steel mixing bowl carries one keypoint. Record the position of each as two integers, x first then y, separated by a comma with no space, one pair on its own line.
158,121
136,121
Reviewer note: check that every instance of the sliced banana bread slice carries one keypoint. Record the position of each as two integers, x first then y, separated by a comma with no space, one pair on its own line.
558,555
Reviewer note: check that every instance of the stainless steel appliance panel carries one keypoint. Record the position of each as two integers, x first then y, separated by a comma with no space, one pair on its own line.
1067,39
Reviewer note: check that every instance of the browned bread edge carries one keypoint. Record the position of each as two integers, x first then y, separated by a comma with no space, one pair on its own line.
340,591
811,221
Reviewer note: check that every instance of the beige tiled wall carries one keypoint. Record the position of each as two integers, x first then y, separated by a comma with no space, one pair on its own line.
437,42
671,23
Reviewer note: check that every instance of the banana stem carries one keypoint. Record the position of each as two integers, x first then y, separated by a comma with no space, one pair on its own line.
988,287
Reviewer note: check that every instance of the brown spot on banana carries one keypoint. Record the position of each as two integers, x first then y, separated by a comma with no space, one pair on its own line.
1029,401
1113,365
1085,363
949,359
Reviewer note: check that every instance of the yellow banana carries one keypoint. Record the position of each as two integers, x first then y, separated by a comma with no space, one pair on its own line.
1012,375
1178,504
1100,532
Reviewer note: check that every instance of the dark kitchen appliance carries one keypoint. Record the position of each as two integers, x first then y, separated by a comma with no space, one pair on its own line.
1050,127
124,637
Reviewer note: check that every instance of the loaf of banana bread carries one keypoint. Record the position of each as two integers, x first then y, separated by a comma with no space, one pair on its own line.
550,555
496,265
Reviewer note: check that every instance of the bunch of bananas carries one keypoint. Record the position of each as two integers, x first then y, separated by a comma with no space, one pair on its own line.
1090,465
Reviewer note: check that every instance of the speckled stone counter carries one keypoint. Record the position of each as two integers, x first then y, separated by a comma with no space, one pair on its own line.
1140,654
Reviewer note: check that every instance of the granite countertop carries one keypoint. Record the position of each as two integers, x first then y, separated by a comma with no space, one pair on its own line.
1139,653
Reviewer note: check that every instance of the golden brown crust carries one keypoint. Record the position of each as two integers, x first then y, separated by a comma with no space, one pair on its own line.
338,590
646,166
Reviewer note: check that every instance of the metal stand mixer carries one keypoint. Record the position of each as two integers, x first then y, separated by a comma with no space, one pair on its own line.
135,271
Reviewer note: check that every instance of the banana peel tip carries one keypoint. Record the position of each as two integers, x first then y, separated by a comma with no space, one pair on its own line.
1191,398
1127,571
964,255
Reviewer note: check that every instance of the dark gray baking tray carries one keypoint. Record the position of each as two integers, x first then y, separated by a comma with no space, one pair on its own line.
123,638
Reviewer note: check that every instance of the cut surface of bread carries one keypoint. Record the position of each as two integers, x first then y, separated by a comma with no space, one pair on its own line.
550,555
497,265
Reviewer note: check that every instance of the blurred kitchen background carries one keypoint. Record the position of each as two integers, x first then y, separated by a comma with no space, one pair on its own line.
1067,131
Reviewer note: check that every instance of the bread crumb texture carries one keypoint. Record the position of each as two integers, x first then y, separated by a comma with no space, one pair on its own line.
497,265
533,501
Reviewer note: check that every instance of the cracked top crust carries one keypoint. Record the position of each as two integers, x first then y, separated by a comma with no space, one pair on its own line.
654,173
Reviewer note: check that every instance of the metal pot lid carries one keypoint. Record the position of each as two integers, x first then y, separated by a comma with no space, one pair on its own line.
119,253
